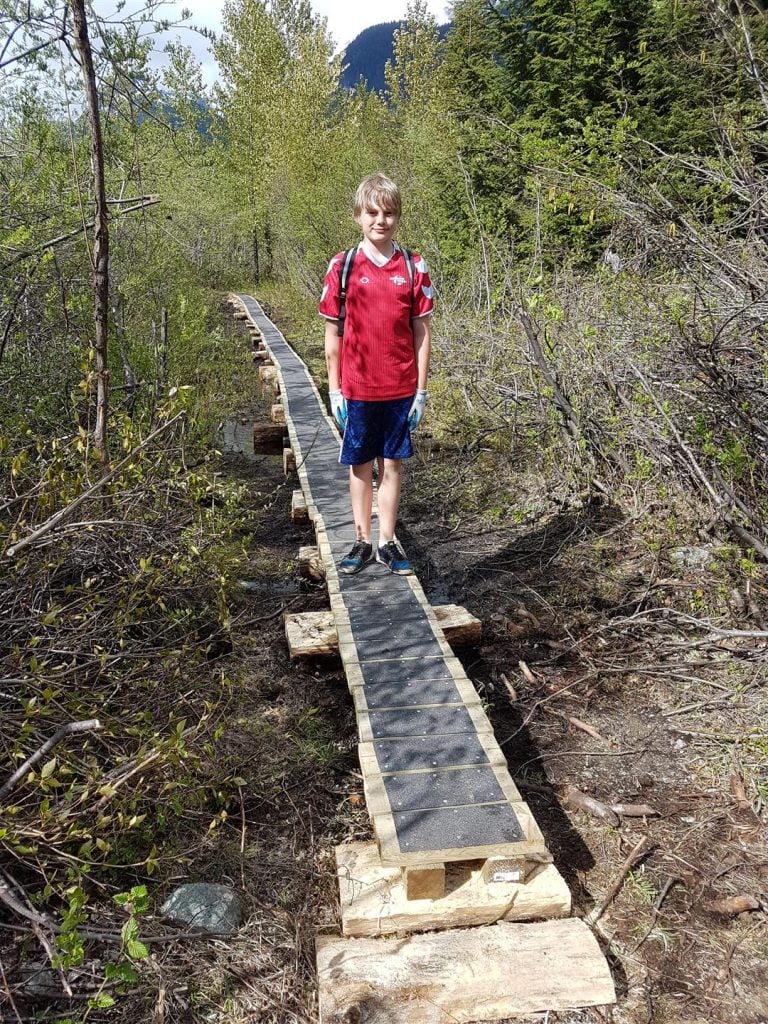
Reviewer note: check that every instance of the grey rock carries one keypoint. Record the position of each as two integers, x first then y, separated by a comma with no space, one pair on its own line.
206,906
691,558
39,981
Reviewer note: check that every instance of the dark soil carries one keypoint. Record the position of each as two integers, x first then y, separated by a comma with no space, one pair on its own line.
569,592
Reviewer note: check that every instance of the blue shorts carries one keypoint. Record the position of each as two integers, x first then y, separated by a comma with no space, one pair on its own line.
374,429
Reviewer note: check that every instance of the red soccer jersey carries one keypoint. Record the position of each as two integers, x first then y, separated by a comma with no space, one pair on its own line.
378,361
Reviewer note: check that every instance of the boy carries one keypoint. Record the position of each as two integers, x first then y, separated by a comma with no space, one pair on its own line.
377,373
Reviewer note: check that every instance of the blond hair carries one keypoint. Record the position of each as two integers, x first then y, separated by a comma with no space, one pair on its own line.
378,189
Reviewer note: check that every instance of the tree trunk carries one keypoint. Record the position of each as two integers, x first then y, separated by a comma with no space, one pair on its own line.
100,234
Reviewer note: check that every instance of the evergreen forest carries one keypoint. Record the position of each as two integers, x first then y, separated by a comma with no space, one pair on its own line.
588,182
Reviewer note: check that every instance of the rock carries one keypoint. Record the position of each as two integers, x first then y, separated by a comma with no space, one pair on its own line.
691,558
39,981
206,906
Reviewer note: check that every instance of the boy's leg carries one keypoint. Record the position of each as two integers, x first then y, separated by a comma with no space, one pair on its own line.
361,494
388,496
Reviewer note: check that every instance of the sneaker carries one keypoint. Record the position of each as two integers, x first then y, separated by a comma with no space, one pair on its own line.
393,556
359,554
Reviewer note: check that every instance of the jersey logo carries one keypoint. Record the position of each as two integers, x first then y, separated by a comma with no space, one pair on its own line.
364,280
397,279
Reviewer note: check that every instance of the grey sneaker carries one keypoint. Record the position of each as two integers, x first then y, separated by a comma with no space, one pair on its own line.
360,553
393,556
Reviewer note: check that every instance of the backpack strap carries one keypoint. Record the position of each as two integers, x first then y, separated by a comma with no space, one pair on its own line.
344,272
410,266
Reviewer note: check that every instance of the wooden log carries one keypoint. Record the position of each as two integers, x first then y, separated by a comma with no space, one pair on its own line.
299,510
460,627
424,882
373,899
260,355
289,461
241,315
278,413
269,379
488,973
502,870
310,563
268,438
310,633
323,624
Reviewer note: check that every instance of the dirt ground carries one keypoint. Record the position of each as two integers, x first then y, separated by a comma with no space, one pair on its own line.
595,682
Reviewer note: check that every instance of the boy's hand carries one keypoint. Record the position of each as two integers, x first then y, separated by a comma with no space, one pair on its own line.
416,412
338,408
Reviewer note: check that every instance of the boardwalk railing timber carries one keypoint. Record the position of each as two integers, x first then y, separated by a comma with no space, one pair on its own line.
456,845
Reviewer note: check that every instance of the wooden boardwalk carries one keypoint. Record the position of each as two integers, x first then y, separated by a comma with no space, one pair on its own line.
436,781
440,797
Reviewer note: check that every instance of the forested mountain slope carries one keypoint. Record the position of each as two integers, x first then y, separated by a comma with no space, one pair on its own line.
587,181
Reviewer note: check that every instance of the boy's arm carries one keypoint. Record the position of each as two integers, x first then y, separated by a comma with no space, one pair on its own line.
422,344
332,347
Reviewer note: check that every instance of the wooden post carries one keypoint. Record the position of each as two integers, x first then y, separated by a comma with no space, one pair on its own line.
310,563
268,438
299,510
278,413
289,461
424,882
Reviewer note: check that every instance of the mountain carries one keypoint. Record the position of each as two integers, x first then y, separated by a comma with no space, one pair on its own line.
367,54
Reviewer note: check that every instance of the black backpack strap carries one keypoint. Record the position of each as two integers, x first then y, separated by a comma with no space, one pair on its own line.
344,272
410,265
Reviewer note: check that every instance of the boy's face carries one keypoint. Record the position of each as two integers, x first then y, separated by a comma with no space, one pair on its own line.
378,224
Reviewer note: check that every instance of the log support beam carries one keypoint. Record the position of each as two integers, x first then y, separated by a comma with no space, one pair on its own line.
313,634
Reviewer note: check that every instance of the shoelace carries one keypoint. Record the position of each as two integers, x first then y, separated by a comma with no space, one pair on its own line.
393,548
358,549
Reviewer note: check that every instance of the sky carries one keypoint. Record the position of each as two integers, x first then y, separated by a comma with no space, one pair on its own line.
346,19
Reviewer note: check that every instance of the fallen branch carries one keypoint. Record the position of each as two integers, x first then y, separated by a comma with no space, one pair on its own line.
579,801
635,810
638,850
90,725
57,517
732,905
587,728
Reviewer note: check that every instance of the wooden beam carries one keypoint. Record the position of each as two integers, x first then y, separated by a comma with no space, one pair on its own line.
268,438
424,882
299,510
489,973
278,413
374,900
309,632
289,461
310,563
459,625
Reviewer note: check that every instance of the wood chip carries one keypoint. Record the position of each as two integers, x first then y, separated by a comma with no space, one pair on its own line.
527,674
732,905
738,792
587,728
579,801
510,688
635,810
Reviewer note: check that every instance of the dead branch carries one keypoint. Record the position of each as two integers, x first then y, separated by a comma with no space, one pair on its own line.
579,801
732,905
57,517
638,850
90,725
635,810
67,236
587,728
